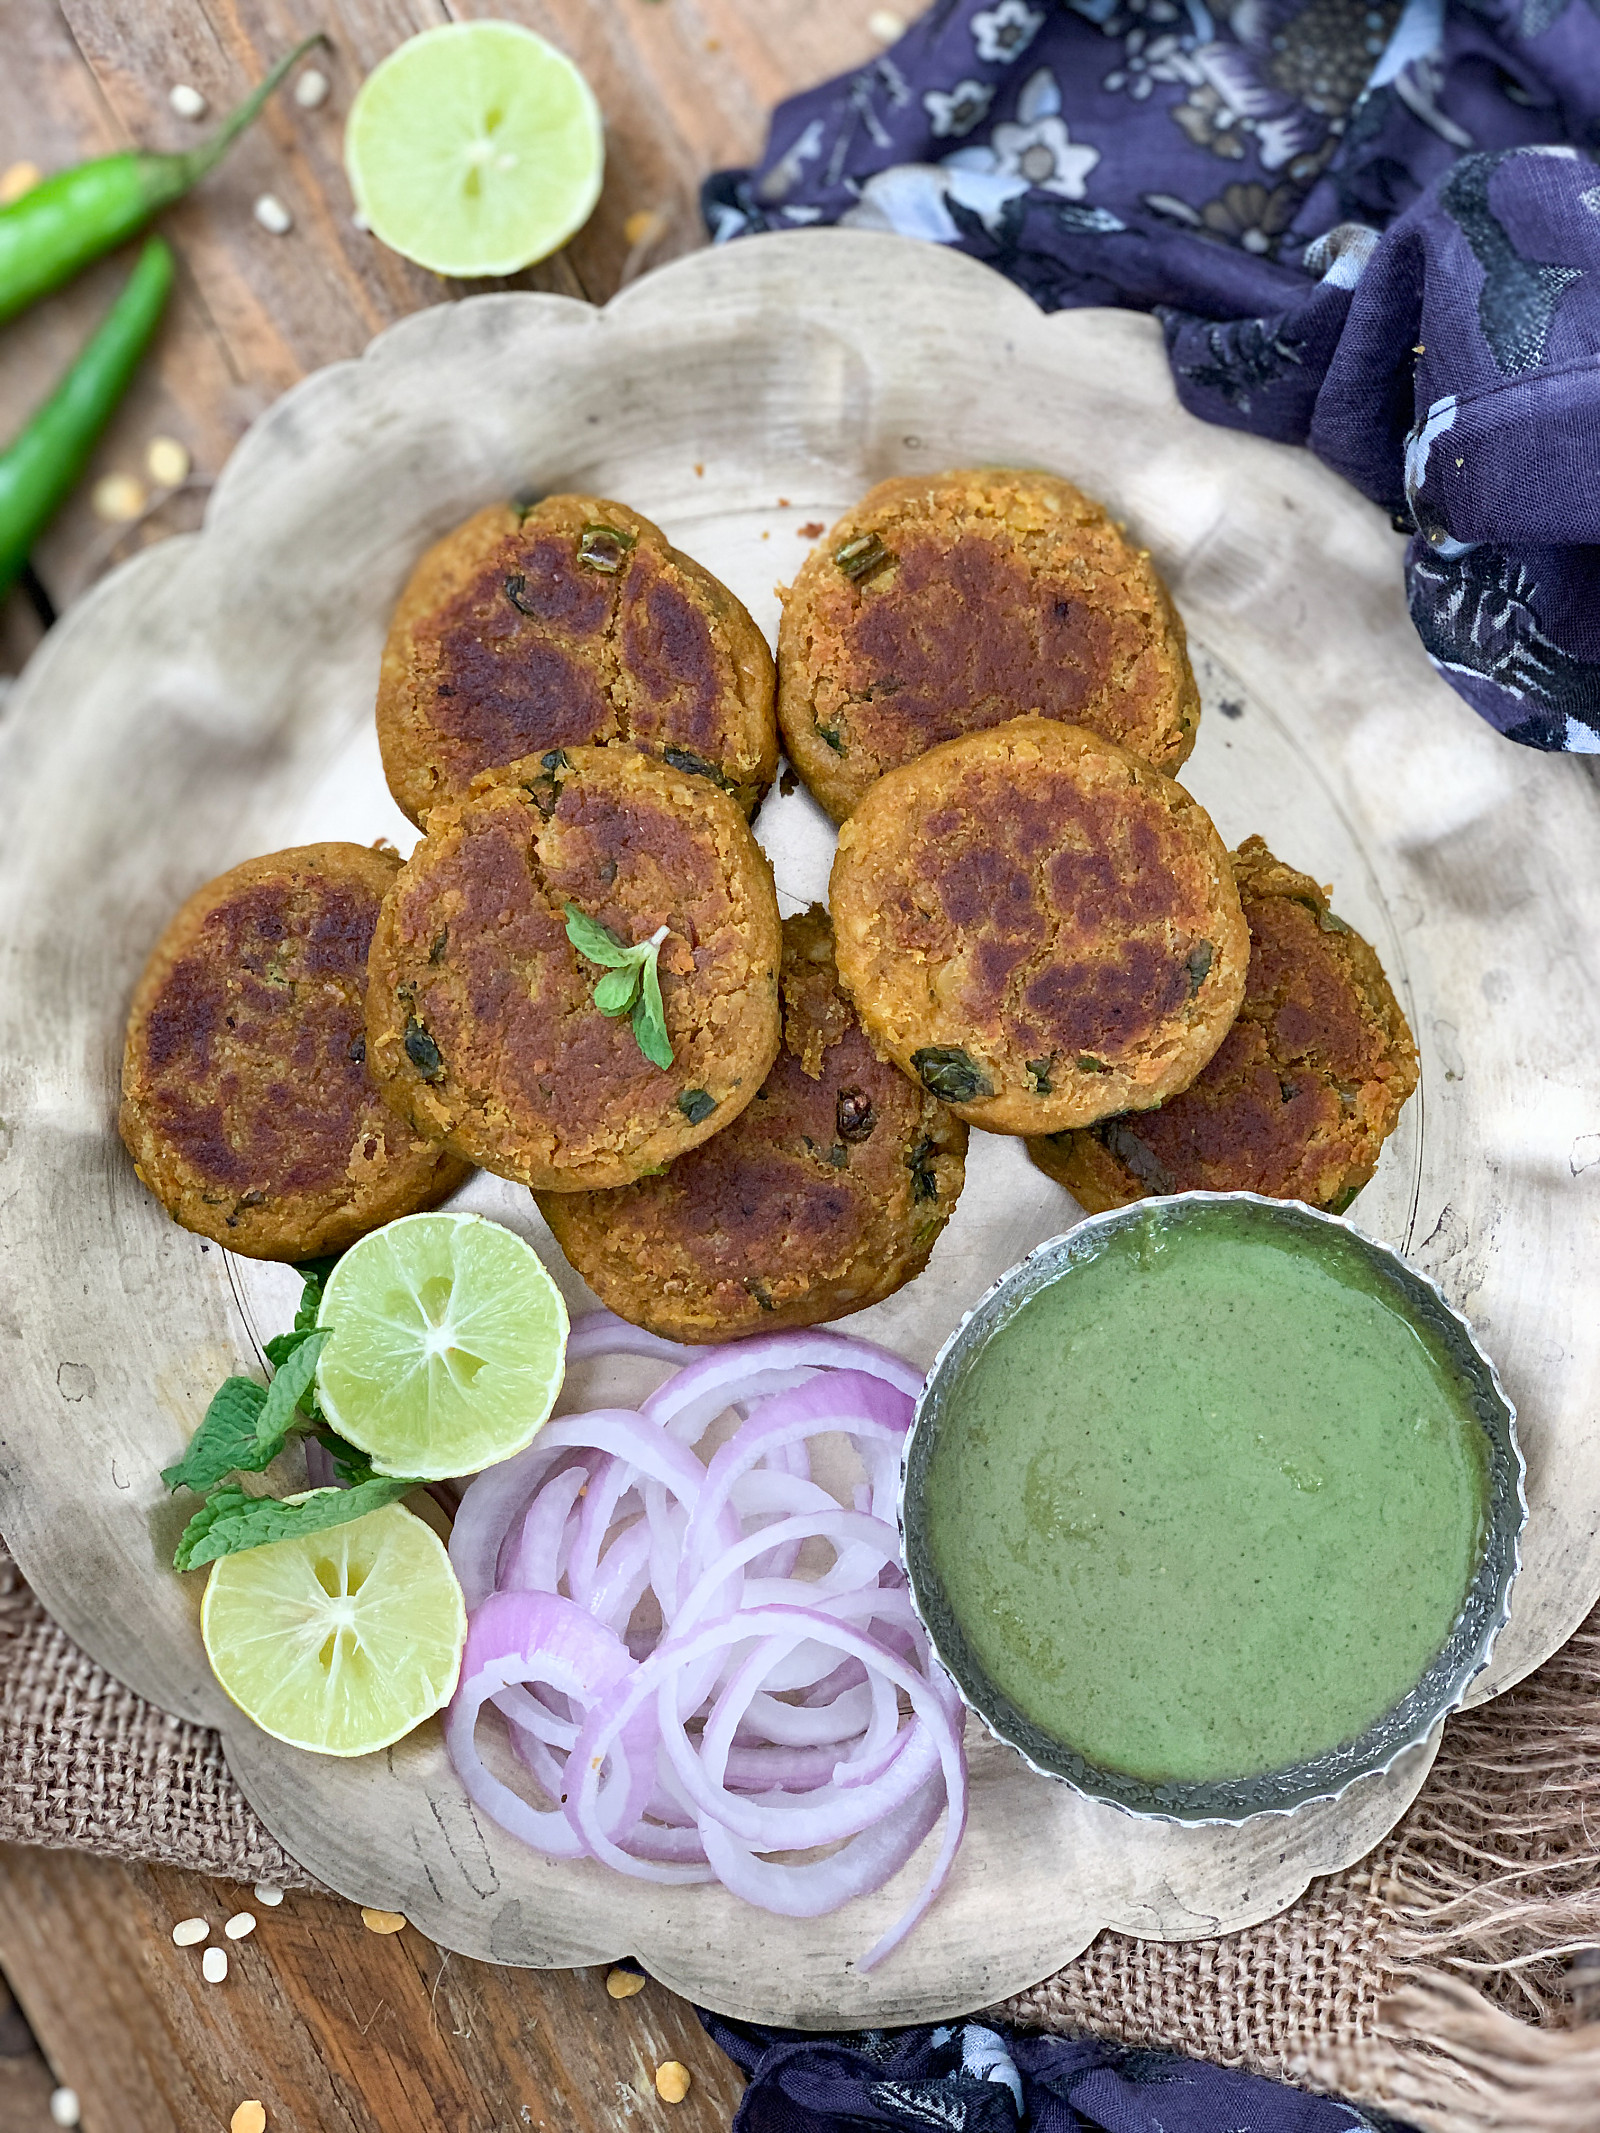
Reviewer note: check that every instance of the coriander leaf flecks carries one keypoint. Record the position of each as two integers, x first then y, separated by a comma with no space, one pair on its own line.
290,1384
650,1019
230,1521
598,943
226,1440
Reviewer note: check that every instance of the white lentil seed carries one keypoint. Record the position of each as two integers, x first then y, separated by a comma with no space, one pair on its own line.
311,90
117,498
64,2107
272,215
214,1965
358,221
885,26
269,1893
250,2117
187,102
189,1932
167,462
240,1925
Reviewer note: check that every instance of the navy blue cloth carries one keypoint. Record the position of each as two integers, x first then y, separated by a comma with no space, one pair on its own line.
967,2078
1369,229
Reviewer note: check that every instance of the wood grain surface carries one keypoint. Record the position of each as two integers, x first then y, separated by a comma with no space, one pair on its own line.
332,2027
685,86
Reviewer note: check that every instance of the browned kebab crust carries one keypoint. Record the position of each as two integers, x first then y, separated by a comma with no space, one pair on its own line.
572,621
827,1194
1305,1089
992,594
481,1024
1038,926
246,1103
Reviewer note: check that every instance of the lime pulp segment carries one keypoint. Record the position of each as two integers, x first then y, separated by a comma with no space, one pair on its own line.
341,1642
475,148
447,1345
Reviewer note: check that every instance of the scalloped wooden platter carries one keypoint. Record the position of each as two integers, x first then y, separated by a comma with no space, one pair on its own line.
213,699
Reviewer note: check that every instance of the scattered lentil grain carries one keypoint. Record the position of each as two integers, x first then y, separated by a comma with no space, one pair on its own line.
167,462
273,216
250,2117
118,498
240,1926
382,1921
885,25
17,179
673,2081
214,1965
189,1932
269,1893
65,2109
623,1984
187,102
311,90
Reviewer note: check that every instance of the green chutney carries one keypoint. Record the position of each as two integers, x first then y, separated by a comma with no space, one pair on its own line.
1210,1503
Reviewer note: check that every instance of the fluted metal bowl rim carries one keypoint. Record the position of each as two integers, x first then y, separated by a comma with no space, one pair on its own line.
1406,1725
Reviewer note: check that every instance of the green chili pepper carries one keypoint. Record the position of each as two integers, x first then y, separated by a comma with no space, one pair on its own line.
71,218
41,466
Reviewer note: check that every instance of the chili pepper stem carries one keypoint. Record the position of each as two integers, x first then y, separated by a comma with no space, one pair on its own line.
194,163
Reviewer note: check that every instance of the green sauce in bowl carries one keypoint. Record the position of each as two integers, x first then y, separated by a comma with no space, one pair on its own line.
1209,1503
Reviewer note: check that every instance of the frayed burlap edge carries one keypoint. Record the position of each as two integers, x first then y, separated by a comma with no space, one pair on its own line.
1441,1980
86,1764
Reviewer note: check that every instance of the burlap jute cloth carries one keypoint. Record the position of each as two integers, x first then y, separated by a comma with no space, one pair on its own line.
1445,1979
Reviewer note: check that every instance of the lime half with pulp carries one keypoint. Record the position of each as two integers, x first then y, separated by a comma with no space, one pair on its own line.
341,1642
476,148
447,1343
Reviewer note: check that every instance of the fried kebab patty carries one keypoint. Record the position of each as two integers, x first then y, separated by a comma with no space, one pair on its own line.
1038,927
1307,1085
947,604
246,1103
827,1194
573,621
482,1028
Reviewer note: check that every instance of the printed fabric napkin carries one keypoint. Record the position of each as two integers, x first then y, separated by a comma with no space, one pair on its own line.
966,2078
1373,229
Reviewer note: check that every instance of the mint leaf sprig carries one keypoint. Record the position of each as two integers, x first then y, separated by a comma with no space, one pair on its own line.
247,1425
632,983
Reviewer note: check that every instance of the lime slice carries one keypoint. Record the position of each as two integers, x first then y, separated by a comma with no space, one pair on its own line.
340,1642
448,1343
476,148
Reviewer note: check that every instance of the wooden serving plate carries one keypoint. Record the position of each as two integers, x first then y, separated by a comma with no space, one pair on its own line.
213,699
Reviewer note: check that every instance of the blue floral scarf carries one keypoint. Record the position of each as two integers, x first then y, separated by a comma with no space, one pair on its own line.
966,2078
1373,229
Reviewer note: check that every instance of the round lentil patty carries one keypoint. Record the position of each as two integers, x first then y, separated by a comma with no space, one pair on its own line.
246,1103
949,603
571,621
826,1194
1305,1089
482,1023
1038,927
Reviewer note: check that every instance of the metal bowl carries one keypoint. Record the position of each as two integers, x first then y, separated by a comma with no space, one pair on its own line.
1407,1723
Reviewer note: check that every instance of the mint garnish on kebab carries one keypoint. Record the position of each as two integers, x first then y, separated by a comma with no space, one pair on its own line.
631,985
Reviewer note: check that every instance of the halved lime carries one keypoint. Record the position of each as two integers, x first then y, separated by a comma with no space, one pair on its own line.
343,1641
448,1344
476,148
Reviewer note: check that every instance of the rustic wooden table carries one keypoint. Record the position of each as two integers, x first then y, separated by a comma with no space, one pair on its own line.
333,2028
